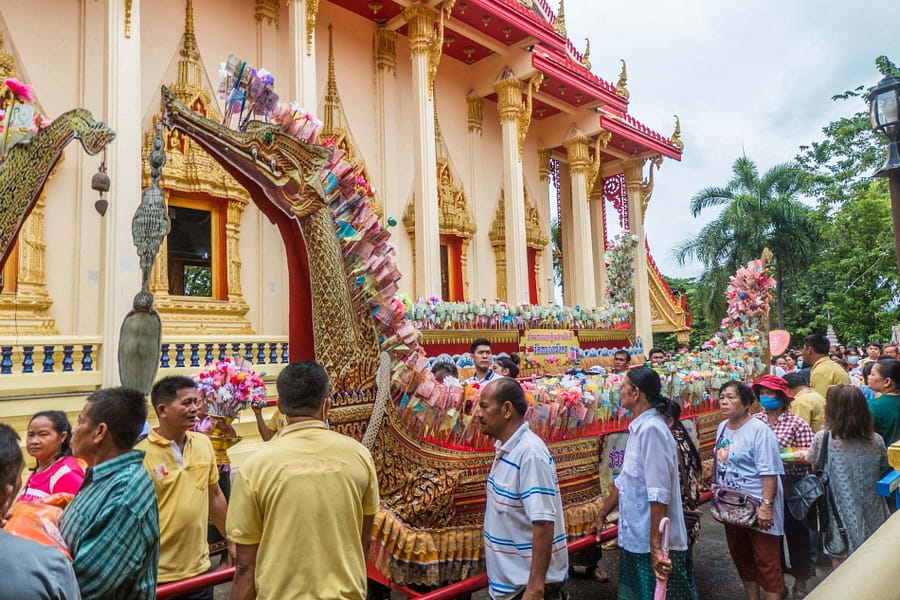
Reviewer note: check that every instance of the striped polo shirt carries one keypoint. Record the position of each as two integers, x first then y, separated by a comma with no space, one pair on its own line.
522,488
112,528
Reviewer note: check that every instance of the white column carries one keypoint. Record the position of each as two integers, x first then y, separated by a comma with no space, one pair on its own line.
474,112
421,36
302,18
547,274
121,278
385,118
598,226
643,322
583,269
509,104
568,240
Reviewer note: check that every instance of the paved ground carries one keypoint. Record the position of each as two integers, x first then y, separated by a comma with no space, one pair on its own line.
715,576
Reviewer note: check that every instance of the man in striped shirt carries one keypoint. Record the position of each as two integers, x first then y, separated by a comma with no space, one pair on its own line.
524,529
112,525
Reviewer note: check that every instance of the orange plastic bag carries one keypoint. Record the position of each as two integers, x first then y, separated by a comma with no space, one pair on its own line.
38,522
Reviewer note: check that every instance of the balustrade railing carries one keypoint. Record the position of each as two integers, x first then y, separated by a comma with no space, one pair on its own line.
197,352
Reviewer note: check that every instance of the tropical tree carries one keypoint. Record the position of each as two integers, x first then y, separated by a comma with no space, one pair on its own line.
758,212
556,249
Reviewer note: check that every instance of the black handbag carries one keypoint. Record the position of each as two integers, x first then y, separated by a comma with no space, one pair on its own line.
808,501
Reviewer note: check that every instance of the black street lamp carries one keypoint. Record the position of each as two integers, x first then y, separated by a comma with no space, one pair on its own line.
884,114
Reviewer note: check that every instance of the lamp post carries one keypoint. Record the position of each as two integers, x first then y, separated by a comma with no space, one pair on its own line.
884,114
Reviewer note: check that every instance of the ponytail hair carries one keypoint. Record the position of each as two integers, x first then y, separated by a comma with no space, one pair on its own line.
647,380
672,410
511,363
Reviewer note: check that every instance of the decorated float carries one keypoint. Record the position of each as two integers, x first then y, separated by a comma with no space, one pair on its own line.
346,313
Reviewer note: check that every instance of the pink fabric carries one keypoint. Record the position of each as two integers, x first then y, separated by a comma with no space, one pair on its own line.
65,475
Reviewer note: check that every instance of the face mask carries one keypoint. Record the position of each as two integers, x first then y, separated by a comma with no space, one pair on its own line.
770,402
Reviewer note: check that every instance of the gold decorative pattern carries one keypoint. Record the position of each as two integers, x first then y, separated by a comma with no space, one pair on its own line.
436,49
312,11
475,112
559,24
7,61
385,49
544,155
621,85
268,11
667,316
676,135
128,4
580,161
647,183
426,34
191,170
535,238
510,104
334,124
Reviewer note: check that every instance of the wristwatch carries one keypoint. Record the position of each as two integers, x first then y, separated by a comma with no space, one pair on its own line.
766,501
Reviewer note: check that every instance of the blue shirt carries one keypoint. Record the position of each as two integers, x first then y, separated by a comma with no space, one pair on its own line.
649,474
743,456
112,529
522,488
32,570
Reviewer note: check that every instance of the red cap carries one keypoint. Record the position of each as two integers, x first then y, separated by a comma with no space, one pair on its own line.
772,382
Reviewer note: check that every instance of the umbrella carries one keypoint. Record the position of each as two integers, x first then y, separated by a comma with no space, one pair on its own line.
660,593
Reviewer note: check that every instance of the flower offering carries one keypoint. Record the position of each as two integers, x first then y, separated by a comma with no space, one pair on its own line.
229,386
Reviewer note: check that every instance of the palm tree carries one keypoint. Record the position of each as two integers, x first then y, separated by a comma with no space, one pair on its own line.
556,249
759,212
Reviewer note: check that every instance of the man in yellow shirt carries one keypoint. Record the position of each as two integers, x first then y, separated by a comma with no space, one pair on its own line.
182,465
825,372
302,506
808,404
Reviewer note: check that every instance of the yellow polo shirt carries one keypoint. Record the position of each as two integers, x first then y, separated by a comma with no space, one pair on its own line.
182,494
809,405
301,498
826,373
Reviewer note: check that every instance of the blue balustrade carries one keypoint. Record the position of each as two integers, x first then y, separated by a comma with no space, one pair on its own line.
261,353
87,362
27,359
273,353
164,357
223,351
195,355
284,353
208,357
6,360
67,361
248,351
48,360
179,355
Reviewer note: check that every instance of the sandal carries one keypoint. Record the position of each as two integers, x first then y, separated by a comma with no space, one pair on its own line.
601,575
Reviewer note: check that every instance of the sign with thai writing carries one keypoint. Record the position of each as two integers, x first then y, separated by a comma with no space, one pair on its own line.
549,346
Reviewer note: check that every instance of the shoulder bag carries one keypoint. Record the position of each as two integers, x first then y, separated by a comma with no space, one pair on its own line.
808,500
730,506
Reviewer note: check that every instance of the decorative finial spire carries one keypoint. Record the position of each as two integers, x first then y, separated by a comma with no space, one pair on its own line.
189,44
332,116
559,24
621,85
586,57
676,135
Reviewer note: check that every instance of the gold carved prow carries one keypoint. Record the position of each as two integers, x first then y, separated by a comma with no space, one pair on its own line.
593,169
586,57
676,135
647,183
312,10
621,85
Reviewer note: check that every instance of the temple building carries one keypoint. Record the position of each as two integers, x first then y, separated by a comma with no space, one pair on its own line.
478,124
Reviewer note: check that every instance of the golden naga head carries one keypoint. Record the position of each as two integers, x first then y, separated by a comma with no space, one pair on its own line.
283,168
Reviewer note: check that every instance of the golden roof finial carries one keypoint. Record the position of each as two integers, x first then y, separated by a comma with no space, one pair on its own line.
559,24
621,85
676,135
189,44
586,57
332,117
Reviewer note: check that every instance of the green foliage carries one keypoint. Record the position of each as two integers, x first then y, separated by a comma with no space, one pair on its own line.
759,212
701,328
197,281
556,249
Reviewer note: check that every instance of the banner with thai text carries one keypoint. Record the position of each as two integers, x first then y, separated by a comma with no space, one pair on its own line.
549,346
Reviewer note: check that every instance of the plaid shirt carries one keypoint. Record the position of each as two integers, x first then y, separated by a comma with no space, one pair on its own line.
112,528
790,430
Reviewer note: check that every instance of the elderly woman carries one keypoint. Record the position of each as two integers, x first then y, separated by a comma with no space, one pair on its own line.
649,489
747,459
856,455
791,431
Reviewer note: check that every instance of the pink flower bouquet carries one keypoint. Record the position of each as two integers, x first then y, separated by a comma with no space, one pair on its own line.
229,386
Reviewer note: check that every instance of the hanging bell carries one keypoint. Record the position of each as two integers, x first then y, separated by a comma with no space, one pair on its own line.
100,183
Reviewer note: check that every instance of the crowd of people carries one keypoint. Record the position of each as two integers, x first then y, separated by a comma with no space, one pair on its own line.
302,507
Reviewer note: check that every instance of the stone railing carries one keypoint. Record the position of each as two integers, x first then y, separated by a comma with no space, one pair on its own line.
48,366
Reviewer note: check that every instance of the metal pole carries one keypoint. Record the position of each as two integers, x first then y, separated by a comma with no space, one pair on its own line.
894,180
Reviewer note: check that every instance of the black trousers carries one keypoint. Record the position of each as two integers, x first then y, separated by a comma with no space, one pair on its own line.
796,535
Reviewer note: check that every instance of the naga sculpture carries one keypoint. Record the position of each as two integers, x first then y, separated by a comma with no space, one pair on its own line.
30,163
428,529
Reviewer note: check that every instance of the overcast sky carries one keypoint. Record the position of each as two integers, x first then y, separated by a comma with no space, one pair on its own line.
741,74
